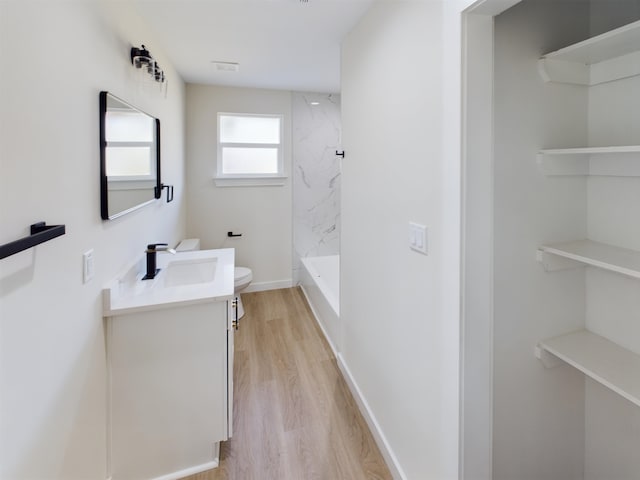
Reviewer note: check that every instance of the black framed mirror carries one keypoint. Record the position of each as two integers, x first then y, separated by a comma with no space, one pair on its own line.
129,157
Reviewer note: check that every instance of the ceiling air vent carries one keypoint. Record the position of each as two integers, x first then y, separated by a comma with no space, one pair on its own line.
226,66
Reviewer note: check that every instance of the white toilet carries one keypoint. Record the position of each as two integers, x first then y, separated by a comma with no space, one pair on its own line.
242,279
242,275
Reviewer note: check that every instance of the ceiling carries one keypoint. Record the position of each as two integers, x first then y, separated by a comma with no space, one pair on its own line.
279,44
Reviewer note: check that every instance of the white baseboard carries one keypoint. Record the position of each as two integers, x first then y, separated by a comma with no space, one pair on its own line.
262,286
189,471
363,406
369,417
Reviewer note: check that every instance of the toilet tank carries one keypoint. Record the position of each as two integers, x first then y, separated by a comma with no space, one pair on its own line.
188,244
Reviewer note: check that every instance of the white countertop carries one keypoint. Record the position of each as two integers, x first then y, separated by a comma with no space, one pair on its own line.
130,294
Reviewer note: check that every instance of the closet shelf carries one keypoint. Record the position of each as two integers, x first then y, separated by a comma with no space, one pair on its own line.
621,161
600,359
592,150
611,56
588,252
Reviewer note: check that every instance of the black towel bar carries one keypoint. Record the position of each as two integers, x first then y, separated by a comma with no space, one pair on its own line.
40,233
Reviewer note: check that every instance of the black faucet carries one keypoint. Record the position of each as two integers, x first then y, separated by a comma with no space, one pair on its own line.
151,251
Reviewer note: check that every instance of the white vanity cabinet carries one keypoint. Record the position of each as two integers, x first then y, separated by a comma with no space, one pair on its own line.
170,376
170,384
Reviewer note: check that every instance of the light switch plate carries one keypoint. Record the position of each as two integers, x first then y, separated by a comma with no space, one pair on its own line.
87,266
418,238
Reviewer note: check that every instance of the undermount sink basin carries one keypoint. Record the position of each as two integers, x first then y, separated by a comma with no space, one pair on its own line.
189,272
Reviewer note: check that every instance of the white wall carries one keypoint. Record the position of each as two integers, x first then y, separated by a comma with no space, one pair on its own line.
476,410
316,176
400,308
538,428
612,300
261,213
55,57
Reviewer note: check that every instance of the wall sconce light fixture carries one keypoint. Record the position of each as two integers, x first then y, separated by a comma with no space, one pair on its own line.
141,58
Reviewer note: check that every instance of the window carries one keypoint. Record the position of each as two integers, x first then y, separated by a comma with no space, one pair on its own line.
131,147
249,149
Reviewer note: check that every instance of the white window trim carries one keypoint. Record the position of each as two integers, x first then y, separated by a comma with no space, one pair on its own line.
130,183
254,179
231,181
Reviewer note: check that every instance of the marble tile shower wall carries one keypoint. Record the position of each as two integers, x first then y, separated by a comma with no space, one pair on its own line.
316,176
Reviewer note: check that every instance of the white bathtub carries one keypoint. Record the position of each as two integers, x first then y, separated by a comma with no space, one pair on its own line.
320,282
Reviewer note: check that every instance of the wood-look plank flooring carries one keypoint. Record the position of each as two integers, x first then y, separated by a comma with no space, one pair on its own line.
294,416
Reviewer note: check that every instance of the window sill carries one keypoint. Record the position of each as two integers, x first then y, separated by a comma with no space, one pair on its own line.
250,181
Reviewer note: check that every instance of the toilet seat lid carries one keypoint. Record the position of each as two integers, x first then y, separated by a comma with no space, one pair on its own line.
242,274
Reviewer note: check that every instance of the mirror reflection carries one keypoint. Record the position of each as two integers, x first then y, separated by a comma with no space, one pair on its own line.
129,157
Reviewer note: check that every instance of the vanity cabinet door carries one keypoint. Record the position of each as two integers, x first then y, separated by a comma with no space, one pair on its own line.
232,319
168,374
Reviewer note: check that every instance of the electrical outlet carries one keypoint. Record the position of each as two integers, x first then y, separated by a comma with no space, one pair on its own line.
87,266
